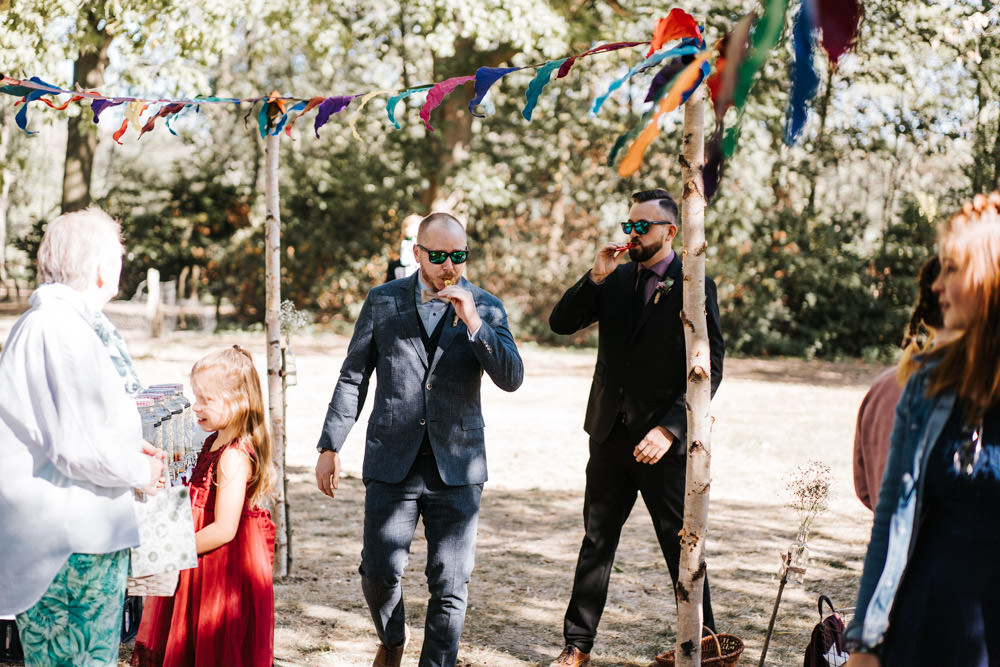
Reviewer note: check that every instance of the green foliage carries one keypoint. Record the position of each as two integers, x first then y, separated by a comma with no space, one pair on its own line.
177,225
814,247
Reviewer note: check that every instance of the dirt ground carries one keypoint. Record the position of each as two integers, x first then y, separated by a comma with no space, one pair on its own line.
771,416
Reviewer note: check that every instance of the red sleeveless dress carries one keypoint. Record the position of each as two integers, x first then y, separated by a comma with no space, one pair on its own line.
223,610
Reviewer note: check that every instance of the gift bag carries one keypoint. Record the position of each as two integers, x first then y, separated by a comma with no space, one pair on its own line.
826,646
166,542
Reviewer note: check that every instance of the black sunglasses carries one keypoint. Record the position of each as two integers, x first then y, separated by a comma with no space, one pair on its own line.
438,256
642,226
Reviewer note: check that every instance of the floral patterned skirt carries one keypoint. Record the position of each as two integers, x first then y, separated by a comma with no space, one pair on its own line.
78,621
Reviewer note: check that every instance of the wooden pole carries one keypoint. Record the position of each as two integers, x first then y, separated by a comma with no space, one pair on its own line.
690,583
272,330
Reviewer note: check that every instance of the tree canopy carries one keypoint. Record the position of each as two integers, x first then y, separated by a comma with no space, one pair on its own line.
814,246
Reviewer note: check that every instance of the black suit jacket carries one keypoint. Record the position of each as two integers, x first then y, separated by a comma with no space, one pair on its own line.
641,366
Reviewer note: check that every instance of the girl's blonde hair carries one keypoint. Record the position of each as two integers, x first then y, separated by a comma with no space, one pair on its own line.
230,376
970,364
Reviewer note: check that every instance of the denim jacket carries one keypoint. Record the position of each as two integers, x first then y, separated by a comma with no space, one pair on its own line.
918,425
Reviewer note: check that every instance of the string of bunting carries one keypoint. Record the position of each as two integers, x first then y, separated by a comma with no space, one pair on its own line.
728,69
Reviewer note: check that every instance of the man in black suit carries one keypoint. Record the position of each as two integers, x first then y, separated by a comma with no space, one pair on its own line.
636,417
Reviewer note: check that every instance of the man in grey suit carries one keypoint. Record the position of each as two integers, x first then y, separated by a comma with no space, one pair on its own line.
429,338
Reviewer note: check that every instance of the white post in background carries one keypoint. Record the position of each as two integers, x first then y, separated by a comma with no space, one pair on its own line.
272,330
153,311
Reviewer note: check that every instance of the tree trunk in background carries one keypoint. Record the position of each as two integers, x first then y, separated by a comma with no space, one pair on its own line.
452,122
272,331
822,109
691,577
81,137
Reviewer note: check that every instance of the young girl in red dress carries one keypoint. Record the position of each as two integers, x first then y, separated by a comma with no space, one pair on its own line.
223,610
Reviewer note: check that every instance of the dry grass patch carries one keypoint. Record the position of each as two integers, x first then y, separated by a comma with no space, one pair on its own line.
771,415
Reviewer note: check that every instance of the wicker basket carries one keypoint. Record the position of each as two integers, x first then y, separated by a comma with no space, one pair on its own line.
163,584
716,650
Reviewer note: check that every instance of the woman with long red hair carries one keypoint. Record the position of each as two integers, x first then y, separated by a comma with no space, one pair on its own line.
930,585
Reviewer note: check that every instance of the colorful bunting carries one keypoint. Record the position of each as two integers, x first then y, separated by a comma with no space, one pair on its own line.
732,53
644,65
838,20
311,104
677,24
666,74
134,113
485,78
436,95
537,85
98,106
805,81
737,59
165,110
685,84
328,107
120,132
732,50
766,33
569,62
21,117
390,106
297,107
361,105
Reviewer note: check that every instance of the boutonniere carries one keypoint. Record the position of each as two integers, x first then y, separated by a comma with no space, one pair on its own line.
662,287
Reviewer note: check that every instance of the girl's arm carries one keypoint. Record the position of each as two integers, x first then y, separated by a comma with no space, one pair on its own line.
232,474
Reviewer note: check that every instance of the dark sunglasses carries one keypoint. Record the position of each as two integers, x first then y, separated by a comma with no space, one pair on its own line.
438,256
642,226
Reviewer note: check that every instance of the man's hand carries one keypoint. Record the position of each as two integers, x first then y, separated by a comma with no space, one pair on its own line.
328,472
863,660
652,448
157,458
605,262
464,304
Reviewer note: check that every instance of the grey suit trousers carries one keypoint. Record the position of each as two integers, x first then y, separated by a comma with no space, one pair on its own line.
450,515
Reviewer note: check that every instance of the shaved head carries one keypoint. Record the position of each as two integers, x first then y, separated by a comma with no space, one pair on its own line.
439,219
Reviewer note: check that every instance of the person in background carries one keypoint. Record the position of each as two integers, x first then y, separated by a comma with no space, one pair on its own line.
72,451
406,264
930,582
429,338
636,415
223,610
878,408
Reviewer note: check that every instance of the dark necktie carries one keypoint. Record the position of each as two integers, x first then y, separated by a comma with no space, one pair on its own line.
639,298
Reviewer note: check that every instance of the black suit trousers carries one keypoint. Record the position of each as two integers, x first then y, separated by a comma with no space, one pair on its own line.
614,479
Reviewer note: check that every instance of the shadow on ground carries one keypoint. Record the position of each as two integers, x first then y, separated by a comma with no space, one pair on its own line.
527,548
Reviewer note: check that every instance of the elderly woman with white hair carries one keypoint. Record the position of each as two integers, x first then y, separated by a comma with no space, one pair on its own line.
72,451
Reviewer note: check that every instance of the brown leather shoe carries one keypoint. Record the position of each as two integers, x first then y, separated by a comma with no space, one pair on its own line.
391,656
571,656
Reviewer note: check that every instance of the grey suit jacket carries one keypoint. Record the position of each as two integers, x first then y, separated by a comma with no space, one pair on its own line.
415,395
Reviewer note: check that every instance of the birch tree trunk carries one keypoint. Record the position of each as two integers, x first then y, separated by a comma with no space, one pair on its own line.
272,330
691,577
5,179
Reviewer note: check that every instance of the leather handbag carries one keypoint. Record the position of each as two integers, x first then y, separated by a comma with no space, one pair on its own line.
166,541
826,645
